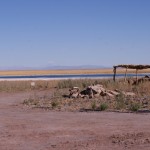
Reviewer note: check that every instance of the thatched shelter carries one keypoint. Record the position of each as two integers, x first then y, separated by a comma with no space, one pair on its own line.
136,67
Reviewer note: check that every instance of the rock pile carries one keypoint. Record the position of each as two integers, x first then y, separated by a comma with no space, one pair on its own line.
96,91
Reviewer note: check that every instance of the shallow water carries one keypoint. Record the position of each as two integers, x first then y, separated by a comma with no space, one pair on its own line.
72,76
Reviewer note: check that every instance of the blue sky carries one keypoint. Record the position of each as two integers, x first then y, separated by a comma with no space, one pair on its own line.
36,33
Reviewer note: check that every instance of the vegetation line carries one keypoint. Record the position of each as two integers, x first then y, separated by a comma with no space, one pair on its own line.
65,72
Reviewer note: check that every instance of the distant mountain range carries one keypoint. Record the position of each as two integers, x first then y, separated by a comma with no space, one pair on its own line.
54,67
76,67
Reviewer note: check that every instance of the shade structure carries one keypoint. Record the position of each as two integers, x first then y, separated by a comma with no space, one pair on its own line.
136,67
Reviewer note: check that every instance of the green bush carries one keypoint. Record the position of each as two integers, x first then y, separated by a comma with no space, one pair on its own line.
93,105
103,106
120,101
135,107
54,104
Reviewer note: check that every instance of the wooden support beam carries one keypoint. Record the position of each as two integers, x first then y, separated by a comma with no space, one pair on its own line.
114,77
136,75
136,67
125,78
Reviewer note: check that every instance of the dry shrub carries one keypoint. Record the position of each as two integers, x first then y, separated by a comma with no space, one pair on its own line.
103,106
81,83
134,106
13,86
93,105
121,102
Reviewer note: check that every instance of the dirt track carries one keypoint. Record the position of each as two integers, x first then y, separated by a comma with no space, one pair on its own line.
22,128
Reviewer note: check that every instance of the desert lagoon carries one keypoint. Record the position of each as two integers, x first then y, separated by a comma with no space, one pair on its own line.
66,76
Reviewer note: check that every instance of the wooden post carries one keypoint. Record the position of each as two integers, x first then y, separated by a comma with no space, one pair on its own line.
125,75
136,75
114,77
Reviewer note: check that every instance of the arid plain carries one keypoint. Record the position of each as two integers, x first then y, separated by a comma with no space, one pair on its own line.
30,118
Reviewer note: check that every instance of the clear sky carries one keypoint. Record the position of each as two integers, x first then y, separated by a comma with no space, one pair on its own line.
74,32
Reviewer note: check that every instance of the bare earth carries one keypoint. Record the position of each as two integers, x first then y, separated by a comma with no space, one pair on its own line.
22,128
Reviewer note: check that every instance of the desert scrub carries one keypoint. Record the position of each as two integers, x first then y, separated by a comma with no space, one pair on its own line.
135,106
31,102
54,104
81,83
120,101
14,86
103,106
61,91
65,84
143,89
93,105
69,83
37,101
58,93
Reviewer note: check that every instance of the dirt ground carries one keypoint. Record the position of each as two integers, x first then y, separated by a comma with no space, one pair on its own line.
23,128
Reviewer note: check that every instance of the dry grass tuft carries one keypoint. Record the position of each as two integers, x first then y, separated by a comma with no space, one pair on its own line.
14,86
59,101
59,89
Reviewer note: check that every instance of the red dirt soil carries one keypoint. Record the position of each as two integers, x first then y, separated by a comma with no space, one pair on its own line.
23,128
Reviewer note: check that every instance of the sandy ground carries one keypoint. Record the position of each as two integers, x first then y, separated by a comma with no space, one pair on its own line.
22,128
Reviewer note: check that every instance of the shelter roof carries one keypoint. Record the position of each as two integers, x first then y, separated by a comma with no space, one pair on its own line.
133,66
